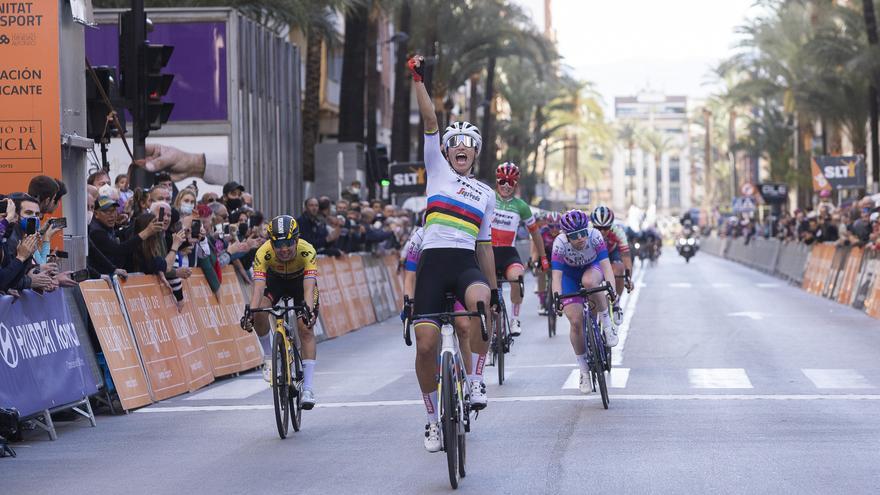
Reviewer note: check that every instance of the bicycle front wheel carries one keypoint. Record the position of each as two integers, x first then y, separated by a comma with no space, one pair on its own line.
281,384
296,389
597,367
449,417
501,339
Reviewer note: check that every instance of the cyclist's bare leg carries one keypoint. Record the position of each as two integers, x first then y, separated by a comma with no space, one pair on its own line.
475,293
542,286
463,327
427,340
514,272
264,325
618,269
575,315
307,343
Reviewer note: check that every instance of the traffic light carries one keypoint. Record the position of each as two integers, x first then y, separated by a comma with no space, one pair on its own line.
143,84
97,125
157,85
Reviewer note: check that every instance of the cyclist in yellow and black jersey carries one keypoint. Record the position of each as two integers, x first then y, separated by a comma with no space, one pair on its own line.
286,266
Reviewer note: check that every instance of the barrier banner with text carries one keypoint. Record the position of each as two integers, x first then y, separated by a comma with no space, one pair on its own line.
219,334
868,287
145,305
232,306
850,276
191,345
392,263
42,364
360,289
333,312
116,343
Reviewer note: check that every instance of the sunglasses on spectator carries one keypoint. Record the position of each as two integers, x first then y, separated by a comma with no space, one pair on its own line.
283,243
461,140
506,182
209,200
577,234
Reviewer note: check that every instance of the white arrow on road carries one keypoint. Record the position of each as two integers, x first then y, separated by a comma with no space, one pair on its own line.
748,314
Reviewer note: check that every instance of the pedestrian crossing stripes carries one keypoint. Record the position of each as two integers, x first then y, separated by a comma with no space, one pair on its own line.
823,378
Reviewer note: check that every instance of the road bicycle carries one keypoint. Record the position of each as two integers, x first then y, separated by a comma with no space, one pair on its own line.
287,367
548,304
501,338
453,388
598,352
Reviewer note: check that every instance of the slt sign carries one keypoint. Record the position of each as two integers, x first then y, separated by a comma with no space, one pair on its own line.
407,178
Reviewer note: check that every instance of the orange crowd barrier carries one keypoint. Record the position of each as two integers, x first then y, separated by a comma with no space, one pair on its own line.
116,343
363,303
232,307
144,304
189,339
333,313
850,276
818,268
392,263
219,334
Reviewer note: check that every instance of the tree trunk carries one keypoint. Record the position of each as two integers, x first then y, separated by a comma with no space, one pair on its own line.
311,112
873,102
351,93
474,99
400,128
372,77
487,156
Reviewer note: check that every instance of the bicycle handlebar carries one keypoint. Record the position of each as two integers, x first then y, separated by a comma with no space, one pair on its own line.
586,292
480,312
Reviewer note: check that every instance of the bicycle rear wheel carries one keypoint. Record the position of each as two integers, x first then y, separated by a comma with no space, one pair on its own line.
281,384
448,417
551,314
597,367
501,339
296,389
462,429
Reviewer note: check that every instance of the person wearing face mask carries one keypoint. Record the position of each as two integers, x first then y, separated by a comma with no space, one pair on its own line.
353,192
26,211
232,192
185,203
13,268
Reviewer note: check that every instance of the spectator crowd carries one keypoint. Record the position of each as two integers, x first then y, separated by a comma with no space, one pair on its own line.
168,231
851,223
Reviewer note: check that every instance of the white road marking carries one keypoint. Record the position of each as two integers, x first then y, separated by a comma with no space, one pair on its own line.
718,378
754,315
538,398
628,311
619,377
680,285
573,380
236,389
844,378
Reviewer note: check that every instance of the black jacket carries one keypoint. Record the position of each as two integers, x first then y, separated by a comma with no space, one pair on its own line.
108,245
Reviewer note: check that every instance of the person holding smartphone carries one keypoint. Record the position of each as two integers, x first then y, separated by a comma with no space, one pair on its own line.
106,243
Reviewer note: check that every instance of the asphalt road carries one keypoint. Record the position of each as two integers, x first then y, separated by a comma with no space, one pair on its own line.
727,381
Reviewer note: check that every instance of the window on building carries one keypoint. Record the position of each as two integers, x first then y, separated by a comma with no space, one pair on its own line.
674,196
334,65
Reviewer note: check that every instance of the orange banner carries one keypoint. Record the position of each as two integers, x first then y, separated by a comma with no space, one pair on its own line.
209,316
360,292
818,267
336,319
232,307
850,276
392,263
145,305
30,99
872,303
191,345
116,343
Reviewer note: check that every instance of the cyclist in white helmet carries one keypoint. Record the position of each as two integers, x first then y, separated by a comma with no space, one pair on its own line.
456,249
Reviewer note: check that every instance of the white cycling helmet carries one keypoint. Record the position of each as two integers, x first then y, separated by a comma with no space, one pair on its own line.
465,128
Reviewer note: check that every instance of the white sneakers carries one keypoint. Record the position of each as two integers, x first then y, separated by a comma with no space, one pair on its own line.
267,369
585,385
610,335
432,437
308,399
478,395
617,315
515,327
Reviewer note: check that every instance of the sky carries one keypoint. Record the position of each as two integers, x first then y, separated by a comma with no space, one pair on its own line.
624,46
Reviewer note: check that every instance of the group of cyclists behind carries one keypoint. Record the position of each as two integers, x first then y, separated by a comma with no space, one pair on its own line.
466,241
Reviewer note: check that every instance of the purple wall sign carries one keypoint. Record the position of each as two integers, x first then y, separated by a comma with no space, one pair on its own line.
198,64
42,364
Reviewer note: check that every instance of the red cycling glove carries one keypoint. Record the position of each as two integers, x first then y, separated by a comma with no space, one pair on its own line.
418,71
545,264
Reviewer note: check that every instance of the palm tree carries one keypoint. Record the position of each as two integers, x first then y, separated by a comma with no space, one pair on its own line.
354,59
628,133
657,144
400,127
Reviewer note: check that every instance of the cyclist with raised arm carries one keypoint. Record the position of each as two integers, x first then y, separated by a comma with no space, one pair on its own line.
618,251
510,211
548,232
286,266
580,259
456,249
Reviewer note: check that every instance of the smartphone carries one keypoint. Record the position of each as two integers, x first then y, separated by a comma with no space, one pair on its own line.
61,254
59,223
3,205
31,226
252,221
196,229
242,231
80,275
226,228
162,215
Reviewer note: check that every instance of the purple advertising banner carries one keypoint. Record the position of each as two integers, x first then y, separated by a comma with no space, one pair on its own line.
42,364
198,64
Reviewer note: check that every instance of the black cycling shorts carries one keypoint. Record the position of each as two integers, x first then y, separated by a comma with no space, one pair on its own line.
440,271
278,287
505,256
